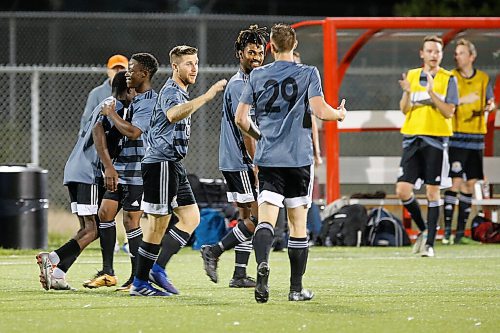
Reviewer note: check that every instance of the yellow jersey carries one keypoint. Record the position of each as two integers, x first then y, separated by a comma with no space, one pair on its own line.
469,115
424,118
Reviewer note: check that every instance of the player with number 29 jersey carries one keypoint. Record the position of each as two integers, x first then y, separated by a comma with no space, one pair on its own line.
282,106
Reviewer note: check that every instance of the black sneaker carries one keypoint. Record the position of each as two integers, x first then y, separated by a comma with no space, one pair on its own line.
209,262
298,296
242,282
261,287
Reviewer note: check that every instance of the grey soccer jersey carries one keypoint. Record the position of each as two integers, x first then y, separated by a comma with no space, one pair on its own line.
128,163
281,92
83,162
168,141
96,96
233,155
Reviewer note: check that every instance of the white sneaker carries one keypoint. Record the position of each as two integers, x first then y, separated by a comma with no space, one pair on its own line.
428,252
46,269
60,284
419,245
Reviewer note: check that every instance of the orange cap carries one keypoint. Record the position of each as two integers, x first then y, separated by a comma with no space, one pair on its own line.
117,60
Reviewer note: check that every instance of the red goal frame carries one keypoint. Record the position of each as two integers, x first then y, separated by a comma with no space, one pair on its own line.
334,70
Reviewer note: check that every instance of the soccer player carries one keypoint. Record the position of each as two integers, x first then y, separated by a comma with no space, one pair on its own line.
115,64
82,176
281,92
166,187
467,143
429,99
123,177
235,161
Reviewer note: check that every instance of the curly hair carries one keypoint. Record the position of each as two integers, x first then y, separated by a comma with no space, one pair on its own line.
252,35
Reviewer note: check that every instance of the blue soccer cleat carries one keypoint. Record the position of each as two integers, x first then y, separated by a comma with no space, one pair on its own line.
158,276
144,288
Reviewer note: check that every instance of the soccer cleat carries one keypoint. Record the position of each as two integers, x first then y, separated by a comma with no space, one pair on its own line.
446,241
101,280
209,262
465,241
242,282
127,285
143,288
261,287
158,276
60,284
419,245
46,268
428,251
298,296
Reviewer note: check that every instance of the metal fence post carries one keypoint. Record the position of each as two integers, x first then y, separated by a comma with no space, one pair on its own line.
35,117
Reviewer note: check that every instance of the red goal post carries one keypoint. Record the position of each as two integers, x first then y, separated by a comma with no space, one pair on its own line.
334,70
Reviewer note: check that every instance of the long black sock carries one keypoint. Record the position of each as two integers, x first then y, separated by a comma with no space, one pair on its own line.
107,239
134,238
432,220
241,255
171,243
450,201
147,254
414,209
464,207
239,234
68,254
298,251
262,241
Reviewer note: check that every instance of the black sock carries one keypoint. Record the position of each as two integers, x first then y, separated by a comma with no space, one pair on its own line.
171,243
262,241
414,209
298,251
68,254
107,239
450,200
237,235
147,254
464,205
432,220
134,238
241,256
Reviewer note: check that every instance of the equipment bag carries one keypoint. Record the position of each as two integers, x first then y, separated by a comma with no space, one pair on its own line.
484,230
345,228
385,229
211,229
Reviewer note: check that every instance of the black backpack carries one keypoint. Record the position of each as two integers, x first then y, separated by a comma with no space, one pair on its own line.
345,228
385,229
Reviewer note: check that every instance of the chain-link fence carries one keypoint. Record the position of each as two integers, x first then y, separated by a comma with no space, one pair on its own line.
40,106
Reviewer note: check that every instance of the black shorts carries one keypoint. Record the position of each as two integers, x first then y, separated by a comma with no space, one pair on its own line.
129,197
85,198
240,186
421,160
293,185
166,187
466,163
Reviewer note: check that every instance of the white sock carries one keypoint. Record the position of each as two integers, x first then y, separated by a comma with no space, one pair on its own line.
54,258
58,273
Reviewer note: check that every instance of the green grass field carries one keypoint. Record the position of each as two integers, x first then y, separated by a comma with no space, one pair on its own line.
357,290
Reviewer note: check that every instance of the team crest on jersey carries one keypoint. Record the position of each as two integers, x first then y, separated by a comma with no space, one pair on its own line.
456,166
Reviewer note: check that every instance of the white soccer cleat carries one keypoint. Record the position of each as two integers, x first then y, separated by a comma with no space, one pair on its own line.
46,269
428,252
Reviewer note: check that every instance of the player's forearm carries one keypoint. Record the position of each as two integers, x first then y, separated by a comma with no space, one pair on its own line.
249,145
404,103
182,111
101,145
124,127
447,110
